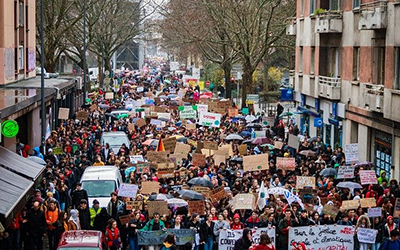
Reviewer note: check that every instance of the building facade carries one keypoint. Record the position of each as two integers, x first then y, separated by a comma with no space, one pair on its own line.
347,75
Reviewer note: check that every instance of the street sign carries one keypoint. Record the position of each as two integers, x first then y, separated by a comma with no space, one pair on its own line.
318,122
9,128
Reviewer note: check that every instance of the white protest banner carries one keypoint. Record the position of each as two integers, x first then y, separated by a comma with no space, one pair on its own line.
227,238
187,112
351,153
164,116
374,212
136,158
127,190
368,177
210,119
202,108
323,237
366,235
345,172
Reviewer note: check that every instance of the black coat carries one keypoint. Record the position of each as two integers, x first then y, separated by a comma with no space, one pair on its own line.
77,196
101,220
36,225
204,231
84,218
242,244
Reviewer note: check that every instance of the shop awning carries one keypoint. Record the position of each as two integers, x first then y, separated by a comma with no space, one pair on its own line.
20,165
308,112
15,191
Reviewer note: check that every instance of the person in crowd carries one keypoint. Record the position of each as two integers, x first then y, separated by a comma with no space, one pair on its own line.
236,224
94,210
36,227
134,225
244,242
113,205
264,244
207,233
393,243
84,215
220,225
112,235
169,242
53,225
283,229
101,220
154,225
74,222
78,194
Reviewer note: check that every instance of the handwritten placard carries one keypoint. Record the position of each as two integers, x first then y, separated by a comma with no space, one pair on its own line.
218,159
197,207
160,207
366,235
140,122
165,173
331,210
255,162
374,212
109,95
278,145
149,187
368,202
244,201
305,181
63,113
368,177
127,190
213,145
177,159
350,204
293,141
169,144
345,172
351,153
286,163
134,205
199,160
217,194
142,168
182,149
201,190
125,218
82,115
157,156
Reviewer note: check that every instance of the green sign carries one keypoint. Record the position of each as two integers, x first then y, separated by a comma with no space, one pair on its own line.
9,128
245,111
57,150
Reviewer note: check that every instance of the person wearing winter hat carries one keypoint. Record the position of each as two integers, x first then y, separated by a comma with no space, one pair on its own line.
389,227
236,224
298,246
94,210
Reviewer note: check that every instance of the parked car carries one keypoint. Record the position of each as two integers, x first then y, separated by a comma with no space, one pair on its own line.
115,140
99,182
47,75
81,239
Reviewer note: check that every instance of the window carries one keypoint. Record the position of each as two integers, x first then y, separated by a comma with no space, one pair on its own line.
21,14
301,60
20,57
302,8
356,4
312,6
312,60
379,65
356,63
396,84
334,4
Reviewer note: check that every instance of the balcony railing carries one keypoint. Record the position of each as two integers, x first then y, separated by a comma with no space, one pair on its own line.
329,87
373,97
291,26
373,15
329,22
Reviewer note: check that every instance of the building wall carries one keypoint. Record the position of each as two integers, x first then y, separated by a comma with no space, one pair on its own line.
14,34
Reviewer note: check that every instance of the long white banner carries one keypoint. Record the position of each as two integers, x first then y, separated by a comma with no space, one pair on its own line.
325,237
227,238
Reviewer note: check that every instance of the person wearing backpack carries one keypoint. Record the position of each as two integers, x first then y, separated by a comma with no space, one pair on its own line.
393,243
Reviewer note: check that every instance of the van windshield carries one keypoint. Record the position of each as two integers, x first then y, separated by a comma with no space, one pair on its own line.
115,140
99,188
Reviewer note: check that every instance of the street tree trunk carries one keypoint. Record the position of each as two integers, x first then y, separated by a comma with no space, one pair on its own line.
227,67
248,71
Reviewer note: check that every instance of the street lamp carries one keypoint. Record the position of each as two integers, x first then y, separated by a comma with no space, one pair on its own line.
84,52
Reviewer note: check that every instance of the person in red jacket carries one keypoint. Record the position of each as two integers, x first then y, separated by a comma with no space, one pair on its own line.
112,235
264,244
236,224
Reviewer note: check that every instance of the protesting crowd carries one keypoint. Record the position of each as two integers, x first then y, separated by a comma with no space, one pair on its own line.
203,174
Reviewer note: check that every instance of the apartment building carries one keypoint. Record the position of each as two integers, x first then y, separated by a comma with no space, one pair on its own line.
347,75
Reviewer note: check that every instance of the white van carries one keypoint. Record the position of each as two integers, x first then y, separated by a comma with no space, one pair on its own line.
99,182
115,139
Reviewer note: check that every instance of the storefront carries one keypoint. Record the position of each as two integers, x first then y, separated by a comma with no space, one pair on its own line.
383,152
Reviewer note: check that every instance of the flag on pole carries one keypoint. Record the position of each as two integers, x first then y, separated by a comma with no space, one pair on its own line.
262,196
160,145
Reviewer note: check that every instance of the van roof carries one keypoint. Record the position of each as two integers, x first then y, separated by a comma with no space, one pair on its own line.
99,172
114,133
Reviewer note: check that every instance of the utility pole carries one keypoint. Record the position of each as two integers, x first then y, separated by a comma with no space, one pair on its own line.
84,52
42,97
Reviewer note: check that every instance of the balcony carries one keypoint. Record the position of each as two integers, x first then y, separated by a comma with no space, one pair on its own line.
291,27
391,104
329,22
373,97
373,15
329,87
291,78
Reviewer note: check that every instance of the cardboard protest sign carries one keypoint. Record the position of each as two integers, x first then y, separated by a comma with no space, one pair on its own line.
131,127
199,160
293,141
200,147
177,158
158,206
242,149
63,113
82,115
149,187
109,95
305,181
366,235
169,144
182,149
140,122
227,147
197,207
255,162
396,212
374,212
350,204
165,165
142,168
368,177
323,236
93,107
351,153
165,173
213,145
286,163
268,120
218,159
127,190
232,112
345,172
331,210
206,152
57,150
217,194
157,156
368,202
159,109
134,205
125,218
244,201
278,145
200,189
325,200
